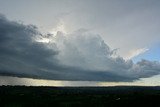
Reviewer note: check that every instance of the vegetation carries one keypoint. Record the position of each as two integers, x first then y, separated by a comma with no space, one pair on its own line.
23,96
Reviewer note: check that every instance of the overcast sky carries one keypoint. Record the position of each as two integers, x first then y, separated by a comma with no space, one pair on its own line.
85,40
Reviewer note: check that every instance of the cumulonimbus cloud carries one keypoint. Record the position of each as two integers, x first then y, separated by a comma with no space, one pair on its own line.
76,56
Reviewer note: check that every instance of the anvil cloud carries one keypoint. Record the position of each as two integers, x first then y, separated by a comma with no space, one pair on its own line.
76,56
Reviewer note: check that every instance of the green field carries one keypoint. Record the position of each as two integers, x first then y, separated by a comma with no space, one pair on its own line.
22,96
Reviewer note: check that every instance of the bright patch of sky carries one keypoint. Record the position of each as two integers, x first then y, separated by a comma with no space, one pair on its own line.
7,80
153,54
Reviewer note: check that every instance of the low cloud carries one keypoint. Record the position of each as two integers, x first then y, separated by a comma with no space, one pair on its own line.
77,56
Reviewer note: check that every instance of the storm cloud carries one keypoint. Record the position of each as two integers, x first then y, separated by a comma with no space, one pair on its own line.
80,55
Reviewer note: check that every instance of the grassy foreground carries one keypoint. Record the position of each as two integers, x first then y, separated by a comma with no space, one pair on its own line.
22,96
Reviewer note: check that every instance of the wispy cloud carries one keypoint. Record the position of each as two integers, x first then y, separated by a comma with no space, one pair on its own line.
135,52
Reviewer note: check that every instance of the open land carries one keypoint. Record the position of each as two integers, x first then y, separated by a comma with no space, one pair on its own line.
118,96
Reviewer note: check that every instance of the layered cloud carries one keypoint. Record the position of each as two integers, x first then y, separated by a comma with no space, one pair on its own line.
25,52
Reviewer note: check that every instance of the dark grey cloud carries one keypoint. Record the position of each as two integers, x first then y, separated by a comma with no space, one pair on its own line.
20,54
77,56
